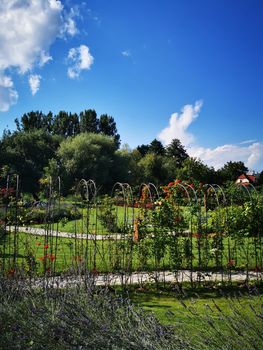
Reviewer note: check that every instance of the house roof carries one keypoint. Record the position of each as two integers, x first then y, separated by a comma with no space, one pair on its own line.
250,178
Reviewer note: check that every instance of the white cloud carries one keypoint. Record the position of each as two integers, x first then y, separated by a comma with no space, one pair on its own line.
27,30
179,123
247,141
80,59
126,53
34,83
8,95
250,152
70,27
251,155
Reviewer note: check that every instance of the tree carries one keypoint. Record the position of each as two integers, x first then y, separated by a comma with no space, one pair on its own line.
107,126
88,156
194,169
156,147
26,154
231,171
89,121
66,124
176,151
152,169
35,121
143,149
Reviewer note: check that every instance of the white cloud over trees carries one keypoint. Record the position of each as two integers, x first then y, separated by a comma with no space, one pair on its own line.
249,151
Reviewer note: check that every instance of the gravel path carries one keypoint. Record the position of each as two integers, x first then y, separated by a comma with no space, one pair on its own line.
43,232
145,277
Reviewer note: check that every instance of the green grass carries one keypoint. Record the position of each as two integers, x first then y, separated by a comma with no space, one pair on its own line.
193,306
209,320
90,222
105,256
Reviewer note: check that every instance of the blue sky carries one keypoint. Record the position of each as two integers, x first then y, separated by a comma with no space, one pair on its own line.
187,69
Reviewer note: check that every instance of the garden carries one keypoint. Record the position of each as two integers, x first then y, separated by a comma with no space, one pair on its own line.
180,264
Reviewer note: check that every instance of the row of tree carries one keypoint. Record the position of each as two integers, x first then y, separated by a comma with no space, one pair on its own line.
85,146
68,124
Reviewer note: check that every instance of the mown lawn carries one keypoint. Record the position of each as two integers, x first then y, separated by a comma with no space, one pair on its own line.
33,252
226,320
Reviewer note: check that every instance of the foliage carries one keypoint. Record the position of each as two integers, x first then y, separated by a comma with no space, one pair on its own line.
78,318
177,152
26,154
108,216
231,170
88,156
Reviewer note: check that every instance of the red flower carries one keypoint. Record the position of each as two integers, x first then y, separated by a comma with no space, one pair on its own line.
46,246
52,257
77,258
196,235
11,272
231,262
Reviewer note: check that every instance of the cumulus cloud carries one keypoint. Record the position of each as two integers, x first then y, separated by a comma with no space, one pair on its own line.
34,83
80,59
27,30
8,95
249,151
179,123
251,155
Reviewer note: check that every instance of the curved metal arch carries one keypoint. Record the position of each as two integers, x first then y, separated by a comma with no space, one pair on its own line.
128,191
222,191
150,184
194,192
213,188
144,185
92,189
120,184
80,183
186,191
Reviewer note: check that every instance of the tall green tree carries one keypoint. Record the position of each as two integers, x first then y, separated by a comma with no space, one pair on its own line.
231,171
26,154
89,121
66,124
194,169
88,156
143,149
107,126
156,147
35,121
177,152
152,169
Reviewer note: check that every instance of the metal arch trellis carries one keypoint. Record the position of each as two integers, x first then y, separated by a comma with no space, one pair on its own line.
10,249
217,237
188,241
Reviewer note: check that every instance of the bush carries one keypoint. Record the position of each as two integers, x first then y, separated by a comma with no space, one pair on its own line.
77,319
39,215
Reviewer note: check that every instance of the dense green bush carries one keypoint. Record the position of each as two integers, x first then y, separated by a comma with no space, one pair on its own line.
35,215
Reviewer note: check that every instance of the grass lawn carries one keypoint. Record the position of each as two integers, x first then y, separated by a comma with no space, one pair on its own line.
35,251
228,318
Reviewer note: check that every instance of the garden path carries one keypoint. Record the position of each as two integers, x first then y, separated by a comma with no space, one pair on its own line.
145,277
43,232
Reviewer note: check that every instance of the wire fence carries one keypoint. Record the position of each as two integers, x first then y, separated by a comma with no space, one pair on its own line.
176,233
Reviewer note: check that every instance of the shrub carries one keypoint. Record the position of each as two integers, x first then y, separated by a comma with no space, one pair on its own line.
77,319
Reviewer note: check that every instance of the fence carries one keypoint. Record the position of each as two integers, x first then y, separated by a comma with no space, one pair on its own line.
180,232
